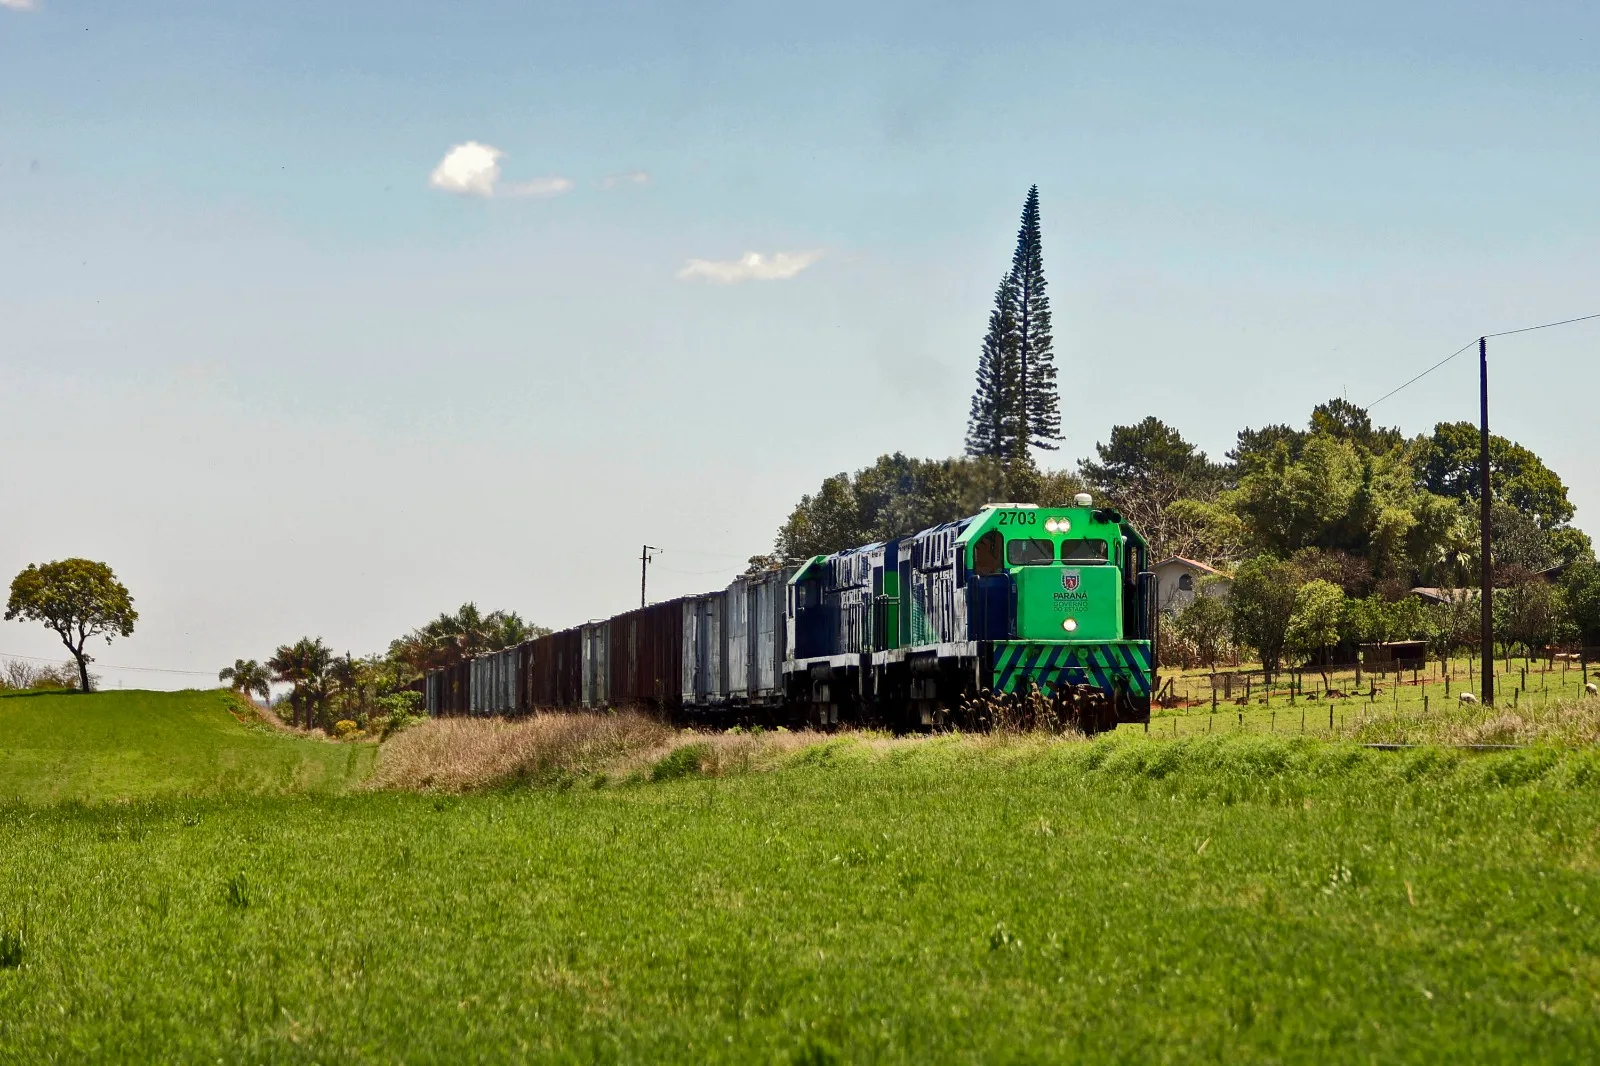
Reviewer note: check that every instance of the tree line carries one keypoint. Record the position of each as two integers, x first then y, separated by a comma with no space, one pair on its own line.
347,694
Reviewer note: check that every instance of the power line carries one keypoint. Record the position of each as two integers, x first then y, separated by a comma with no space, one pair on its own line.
1469,344
1547,325
108,666
1422,375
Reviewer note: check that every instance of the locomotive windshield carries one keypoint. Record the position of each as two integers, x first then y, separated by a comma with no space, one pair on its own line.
1030,552
986,553
1084,550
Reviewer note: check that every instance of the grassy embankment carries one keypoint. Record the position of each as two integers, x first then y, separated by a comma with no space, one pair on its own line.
131,745
1237,898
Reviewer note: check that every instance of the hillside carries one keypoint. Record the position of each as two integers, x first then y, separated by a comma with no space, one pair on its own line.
111,746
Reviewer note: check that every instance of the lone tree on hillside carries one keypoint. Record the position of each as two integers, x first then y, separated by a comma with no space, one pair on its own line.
1016,405
79,599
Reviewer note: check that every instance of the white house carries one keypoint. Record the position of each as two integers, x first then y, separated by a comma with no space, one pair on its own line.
1178,579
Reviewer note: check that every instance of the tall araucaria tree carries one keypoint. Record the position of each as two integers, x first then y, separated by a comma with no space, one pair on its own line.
1016,406
992,427
1041,406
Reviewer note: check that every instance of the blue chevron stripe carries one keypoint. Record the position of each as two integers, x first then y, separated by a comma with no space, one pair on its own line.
1054,665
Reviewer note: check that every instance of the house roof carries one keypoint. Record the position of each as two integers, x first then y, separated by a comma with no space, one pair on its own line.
1190,563
1438,595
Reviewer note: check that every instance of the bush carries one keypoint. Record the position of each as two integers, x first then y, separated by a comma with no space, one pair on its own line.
344,729
682,762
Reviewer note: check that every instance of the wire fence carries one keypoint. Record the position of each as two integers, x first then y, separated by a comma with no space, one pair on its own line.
1391,702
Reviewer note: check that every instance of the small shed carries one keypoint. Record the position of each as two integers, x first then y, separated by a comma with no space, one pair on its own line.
1395,655
1178,580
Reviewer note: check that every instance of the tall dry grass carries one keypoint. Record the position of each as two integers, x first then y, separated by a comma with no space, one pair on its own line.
461,754
458,754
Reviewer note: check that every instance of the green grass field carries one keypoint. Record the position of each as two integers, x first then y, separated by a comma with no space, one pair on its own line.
127,745
1377,707
1223,898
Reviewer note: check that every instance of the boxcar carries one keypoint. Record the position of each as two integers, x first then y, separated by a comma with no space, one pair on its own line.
644,657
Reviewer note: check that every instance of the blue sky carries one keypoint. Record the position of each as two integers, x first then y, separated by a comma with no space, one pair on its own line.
252,357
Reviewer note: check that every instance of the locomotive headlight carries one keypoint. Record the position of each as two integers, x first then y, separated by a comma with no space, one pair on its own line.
1070,624
1050,525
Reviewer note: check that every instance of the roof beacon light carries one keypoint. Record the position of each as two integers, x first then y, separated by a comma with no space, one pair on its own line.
1083,499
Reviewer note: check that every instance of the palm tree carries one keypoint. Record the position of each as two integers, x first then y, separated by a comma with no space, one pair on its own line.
286,670
349,677
303,664
247,676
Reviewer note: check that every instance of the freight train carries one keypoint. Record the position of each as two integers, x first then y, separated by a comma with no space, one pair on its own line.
1053,606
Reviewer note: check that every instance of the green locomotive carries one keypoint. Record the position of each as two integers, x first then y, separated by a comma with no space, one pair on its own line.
1048,606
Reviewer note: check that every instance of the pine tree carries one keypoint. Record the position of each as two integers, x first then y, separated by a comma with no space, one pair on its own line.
1016,405
1040,412
992,426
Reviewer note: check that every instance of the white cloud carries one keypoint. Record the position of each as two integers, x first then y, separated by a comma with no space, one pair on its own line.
752,266
473,169
537,187
17,5
632,177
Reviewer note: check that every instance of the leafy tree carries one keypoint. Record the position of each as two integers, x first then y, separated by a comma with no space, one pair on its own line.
1581,595
1325,489
1530,613
246,676
993,431
1352,573
1448,466
1456,623
77,598
1206,623
1375,619
1263,600
1314,626
896,496
1343,420
1253,447
1519,545
1146,468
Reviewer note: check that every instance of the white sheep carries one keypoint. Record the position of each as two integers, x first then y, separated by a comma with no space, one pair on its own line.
1467,697
1592,689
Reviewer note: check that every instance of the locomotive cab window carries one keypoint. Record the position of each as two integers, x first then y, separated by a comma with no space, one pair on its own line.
1030,552
1084,550
986,553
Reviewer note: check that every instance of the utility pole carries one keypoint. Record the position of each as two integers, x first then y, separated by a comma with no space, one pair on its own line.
1486,574
644,561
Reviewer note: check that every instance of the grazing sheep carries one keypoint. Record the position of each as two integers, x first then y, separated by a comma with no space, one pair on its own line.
1590,688
1467,697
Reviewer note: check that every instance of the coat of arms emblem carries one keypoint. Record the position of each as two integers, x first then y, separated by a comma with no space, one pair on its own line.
1070,579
